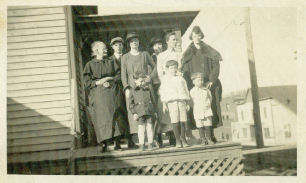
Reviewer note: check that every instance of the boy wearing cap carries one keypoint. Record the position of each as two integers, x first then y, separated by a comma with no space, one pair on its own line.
175,97
201,101
142,105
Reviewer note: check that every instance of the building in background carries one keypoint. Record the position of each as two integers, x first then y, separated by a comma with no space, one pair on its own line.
278,109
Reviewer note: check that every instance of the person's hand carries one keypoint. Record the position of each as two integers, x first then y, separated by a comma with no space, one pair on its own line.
106,84
165,108
209,85
188,107
99,82
135,116
148,79
127,93
179,73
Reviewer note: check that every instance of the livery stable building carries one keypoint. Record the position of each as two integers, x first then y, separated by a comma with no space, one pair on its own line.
47,123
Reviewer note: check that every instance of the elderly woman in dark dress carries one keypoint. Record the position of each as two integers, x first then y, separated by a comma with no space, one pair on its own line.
200,57
102,78
132,62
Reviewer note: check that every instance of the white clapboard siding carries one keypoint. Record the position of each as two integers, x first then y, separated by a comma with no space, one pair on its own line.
39,126
38,133
41,24
37,44
38,105
39,111
37,51
40,98
38,37
42,91
36,78
35,18
37,85
31,65
39,119
39,140
33,58
46,30
40,147
38,71
36,11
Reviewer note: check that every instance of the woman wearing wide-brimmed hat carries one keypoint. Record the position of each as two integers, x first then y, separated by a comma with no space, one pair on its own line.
132,62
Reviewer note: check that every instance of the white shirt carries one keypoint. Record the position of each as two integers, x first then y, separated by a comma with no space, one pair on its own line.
201,99
173,88
165,56
117,55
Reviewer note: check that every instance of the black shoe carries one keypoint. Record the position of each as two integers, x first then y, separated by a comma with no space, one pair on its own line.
118,148
104,149
132,145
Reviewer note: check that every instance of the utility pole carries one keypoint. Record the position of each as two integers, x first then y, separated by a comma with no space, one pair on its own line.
253,77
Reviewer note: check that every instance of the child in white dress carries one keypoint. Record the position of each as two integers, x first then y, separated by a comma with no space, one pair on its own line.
201,102
175,97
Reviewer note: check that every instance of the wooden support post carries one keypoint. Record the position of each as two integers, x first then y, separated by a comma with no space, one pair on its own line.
253,77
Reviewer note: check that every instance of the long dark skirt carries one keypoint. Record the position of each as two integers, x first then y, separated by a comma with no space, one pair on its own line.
104,108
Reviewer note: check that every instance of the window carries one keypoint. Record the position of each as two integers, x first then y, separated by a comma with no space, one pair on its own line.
252,129
242,117
287,128
227,117
245,133
267,132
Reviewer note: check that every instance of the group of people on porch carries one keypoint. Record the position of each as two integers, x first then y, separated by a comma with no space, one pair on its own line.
168,92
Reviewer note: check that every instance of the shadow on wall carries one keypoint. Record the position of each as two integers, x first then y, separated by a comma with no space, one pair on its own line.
39,139
34,130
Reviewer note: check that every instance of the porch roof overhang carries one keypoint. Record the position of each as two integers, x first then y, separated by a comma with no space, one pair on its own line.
96,23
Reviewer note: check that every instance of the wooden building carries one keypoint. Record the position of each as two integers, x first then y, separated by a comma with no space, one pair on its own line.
46,102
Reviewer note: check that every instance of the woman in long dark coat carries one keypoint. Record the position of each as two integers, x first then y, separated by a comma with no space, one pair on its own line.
200,57
102,78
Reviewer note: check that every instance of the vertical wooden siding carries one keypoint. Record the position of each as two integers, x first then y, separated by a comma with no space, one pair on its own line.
40,115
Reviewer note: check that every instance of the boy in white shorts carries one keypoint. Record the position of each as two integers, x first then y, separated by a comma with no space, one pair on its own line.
175,97
201,102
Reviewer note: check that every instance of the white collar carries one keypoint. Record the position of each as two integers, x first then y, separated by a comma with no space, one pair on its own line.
117,55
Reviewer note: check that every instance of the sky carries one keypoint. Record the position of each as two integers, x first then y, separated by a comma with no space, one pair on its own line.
274,34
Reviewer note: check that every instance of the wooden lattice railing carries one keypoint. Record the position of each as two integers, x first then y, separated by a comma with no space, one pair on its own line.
216,167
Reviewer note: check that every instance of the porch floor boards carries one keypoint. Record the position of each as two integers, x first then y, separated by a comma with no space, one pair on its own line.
92,152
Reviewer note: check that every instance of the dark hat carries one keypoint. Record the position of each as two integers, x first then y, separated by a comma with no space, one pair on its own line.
171,63
131,35
116,39
196,29
196,75
155,40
